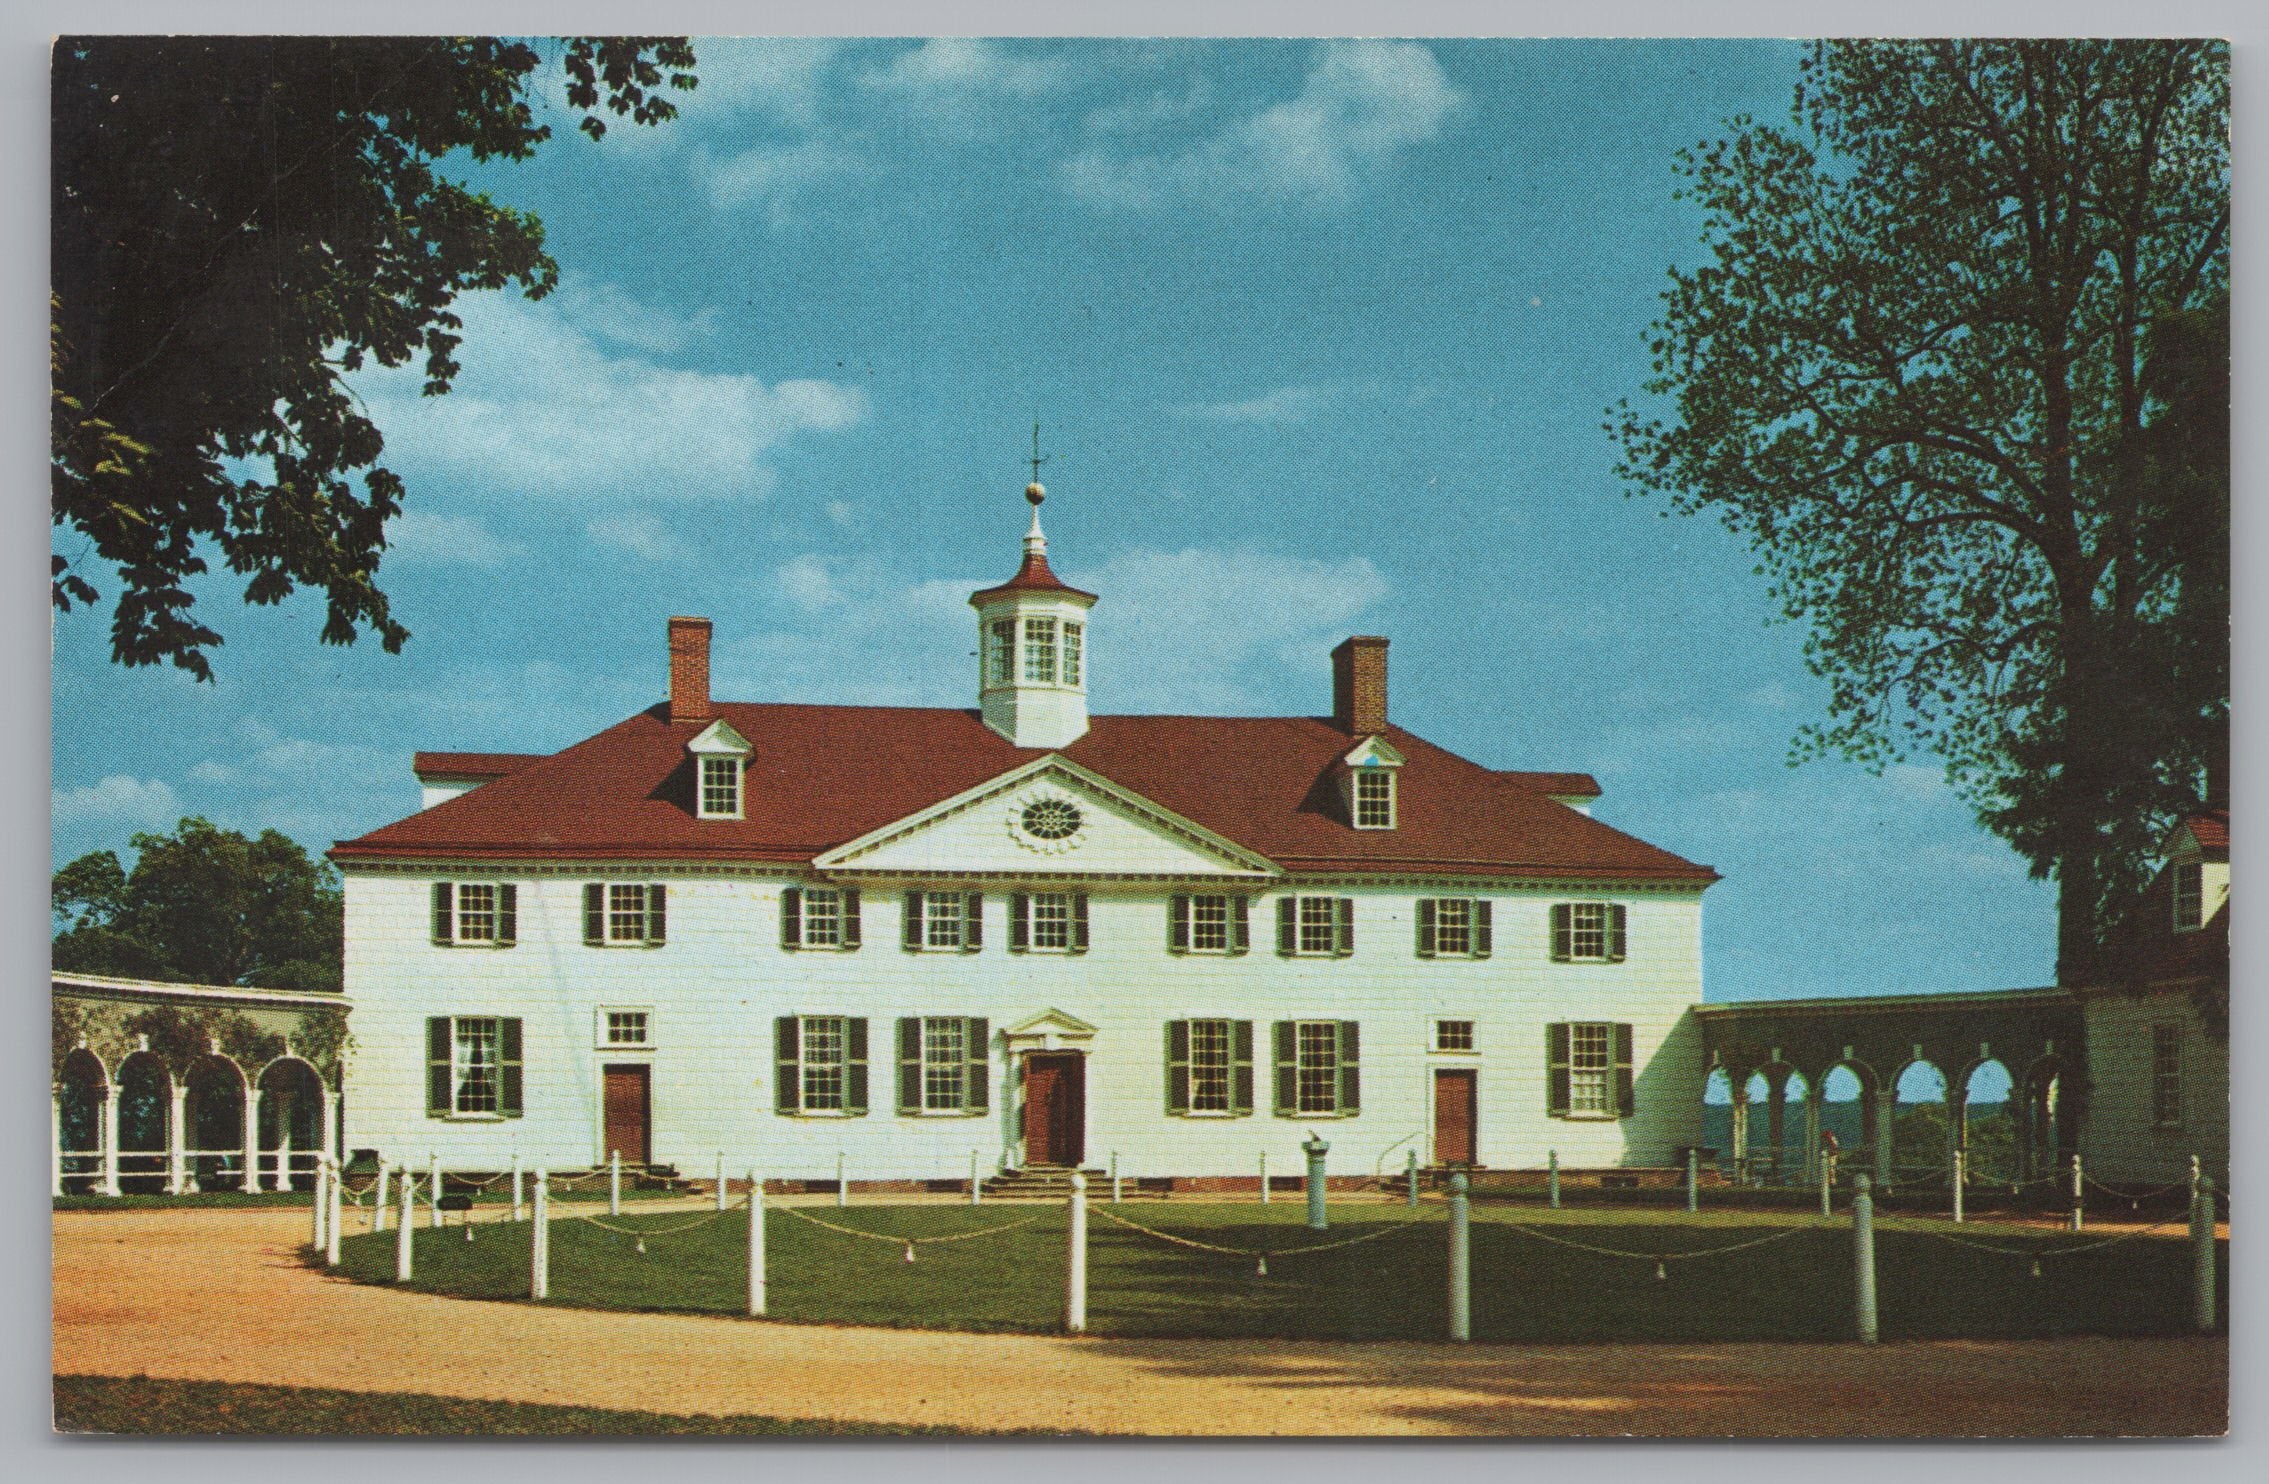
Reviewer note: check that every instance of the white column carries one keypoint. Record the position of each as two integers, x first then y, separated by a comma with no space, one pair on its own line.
318,1204
539,1240
720,1179
378,1196
55,1142
516,1185
177,1140
251,1138
284,1109
327,1138
110,1139
756,1295
614,1182
1075,1264
407,1230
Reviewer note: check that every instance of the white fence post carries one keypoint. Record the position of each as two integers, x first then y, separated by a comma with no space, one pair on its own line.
433,1190
1863,1259
55,1143
1828,1182
316,1205
1552,1178
1114,1177
2079,1199
614,1182
1693,1180
517,1203
381,1197
1264,1177
756,1295
842,1186
1075,1266
331,1221
976,1191
407,1229
1961,1177
539,1239
1461,1261
720,1179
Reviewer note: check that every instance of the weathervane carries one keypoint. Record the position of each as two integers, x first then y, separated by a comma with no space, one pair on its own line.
1038,458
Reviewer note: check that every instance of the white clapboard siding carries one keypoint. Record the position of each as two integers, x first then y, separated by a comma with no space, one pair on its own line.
2120,1143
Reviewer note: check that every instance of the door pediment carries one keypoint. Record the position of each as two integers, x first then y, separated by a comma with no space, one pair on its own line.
1050,1030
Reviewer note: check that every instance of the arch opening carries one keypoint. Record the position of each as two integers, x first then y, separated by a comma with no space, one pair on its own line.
1989,1126
145,1116
1921,1124
214,1132
291,1124
82,1094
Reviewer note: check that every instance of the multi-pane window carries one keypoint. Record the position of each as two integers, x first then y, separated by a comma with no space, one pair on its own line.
1590,932
1315,925
1591,1068
819,917
945,1064
1073,634
823,1063
1040,650
1374,799
1453,1035
1453,927
614,912
1209,1066
1318,1087
720,788
2189,896
627,1028
626,914
1000,659
474,1067
2166,1075
823,919
481,912
944,921
1209,924
1051,919
1319,924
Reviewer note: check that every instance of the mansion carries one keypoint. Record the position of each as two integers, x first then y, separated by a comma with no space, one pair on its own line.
925,942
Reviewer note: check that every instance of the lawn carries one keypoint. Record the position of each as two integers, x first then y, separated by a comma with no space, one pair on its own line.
1795,1287
238,1200
143,1405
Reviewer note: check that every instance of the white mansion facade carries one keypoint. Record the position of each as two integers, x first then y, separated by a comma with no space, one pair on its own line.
1017,935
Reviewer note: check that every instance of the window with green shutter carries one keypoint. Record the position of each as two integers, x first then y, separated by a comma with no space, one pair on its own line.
1209,1066
1453,927
1588,932
944,1064
1589,1070
625,914
473,1066
484,914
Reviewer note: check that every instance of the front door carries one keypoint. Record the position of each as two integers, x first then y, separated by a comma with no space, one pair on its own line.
1454,1116
1055,1107
629,1107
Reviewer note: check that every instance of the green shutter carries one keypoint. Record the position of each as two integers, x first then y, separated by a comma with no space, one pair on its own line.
1482,933
657,913
850,917
508,1065
1343,924
1178,923
910,1064
1626,1094
1241,1066
1240,924
1425,927
437,1079
1556,1069
1287,1068
973,922
594,912
788,1064
1350,1069
444,914
1079,922
855,1065
1177,1066
792,918
1019,922
1615,933
1563,932
1287,925
507,914
912,937
977,1041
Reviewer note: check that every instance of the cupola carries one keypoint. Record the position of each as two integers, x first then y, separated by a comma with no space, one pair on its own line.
1032,649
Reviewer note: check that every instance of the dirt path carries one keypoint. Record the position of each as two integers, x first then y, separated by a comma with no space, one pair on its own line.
222,1295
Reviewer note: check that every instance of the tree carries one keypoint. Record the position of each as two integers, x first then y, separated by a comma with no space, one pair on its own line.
203,905
238,224
1958,369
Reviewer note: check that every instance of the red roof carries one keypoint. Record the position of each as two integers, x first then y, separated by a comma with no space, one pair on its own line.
2211,830
825,775
1033,577
472,764
1556,785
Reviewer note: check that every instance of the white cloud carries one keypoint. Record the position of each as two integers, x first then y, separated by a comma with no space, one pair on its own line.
609,311
428,536
118,802
781,78
774,177
957,77
1146,111
806,583
639,532
842,512
1361,105
541,409
1286,404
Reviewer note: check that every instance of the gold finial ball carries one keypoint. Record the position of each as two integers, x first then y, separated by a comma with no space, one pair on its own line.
1035,492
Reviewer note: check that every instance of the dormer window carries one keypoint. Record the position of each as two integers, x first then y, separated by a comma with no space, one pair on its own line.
2189,895
720,788
720,759
1374,799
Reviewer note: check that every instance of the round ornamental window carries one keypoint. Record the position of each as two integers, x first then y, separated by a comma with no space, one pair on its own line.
1051,819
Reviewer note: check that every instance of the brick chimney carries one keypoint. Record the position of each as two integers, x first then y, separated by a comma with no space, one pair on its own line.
1359,685
689,670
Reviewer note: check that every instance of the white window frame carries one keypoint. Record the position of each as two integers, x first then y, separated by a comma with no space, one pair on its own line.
459,912
1308,929
1374,796
945,1078
1315,1068
621,917
1461,909
1048,914
1588,922
720,779
1209,1061
1209,914
2166,1075
1070,658
945,921
1443,1035
811,924
605,1028
816,1072
1039,657
465,1066
1000,657
2189,890
1591,1069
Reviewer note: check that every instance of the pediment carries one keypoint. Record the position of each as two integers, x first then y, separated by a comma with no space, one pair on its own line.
1050,1022
1373,752
719,739
1049,817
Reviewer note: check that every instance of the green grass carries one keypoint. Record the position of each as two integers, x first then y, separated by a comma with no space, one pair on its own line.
232,1199
1390,1288
142,1405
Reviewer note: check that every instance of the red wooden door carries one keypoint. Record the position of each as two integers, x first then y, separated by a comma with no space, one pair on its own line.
1454,1117
629,1104
1055,1108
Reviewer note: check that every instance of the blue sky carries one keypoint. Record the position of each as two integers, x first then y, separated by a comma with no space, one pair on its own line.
1321,335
